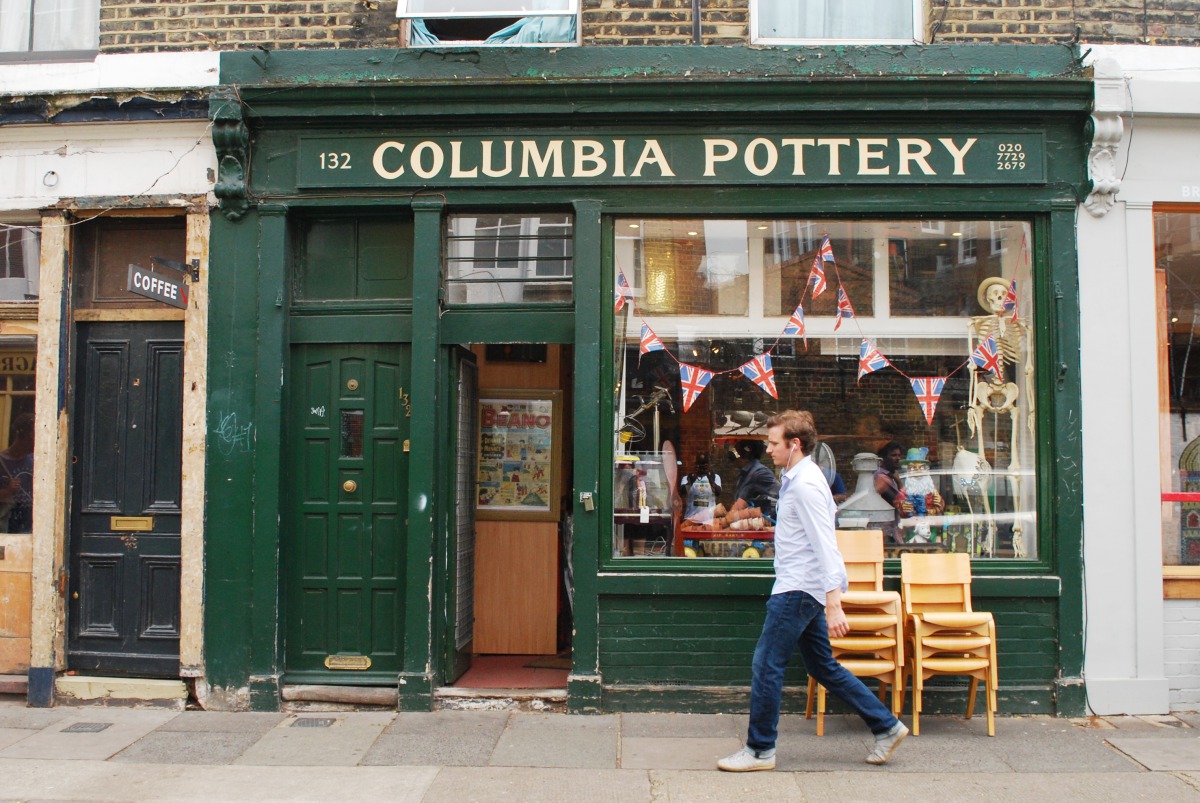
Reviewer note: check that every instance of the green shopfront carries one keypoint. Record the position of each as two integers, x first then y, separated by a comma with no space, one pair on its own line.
494,336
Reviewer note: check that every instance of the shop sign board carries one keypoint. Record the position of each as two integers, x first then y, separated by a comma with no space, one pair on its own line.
166,289
790,158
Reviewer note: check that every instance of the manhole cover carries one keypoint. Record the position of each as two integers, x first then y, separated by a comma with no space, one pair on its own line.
86,727
314,722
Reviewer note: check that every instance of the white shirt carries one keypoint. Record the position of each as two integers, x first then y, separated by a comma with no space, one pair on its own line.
806,553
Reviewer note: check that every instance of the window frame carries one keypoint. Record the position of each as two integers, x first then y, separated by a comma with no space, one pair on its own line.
918,30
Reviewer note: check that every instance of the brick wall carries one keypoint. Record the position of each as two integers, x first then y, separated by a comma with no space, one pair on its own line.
131,26
1181,653
1161,22
128,26
664,22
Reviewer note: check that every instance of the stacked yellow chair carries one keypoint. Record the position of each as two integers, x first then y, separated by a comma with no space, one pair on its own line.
944,635
874,647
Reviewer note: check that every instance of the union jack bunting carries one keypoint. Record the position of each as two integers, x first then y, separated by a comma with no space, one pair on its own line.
623,292
986,356
694,380
1010,299
650,341
759,372
928,390
816,279
825,252
870,359
844,308
795,324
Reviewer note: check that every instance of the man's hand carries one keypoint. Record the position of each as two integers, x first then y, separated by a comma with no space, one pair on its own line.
835,617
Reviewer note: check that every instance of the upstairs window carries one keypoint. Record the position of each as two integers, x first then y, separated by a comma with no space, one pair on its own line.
49,26
20,261
439,23
836,21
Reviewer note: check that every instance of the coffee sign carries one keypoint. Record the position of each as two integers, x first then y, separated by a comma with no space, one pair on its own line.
167,289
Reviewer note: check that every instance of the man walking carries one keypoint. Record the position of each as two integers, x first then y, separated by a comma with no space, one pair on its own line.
809,580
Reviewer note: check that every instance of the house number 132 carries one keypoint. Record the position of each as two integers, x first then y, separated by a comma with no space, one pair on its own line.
335,161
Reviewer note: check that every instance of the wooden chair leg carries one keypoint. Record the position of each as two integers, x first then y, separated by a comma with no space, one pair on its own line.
971,692
916,728
808,705
990,691
820,710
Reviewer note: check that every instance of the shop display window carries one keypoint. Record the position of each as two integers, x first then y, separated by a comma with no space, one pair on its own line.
1177,262
912,348
509,259
17,383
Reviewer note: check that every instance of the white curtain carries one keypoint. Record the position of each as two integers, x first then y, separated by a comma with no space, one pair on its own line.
835,19
66,25
14,26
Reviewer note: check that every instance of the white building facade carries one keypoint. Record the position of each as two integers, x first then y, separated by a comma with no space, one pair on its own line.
1139,271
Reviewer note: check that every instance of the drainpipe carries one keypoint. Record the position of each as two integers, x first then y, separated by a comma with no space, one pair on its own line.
696,22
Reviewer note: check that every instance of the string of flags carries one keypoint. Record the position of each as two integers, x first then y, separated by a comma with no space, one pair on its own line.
694,379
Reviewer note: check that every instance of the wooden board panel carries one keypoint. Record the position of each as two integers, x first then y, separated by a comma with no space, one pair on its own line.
516,588
15,603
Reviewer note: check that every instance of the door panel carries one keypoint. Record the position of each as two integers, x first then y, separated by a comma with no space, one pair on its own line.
343,548
460,639
123,610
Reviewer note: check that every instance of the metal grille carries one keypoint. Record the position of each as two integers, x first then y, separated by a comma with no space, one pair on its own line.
314,722
86,727
509,259
464,493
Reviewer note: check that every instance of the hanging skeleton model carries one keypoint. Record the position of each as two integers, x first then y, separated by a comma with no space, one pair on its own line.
992,392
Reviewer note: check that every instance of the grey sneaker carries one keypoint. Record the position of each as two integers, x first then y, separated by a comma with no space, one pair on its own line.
886,744
744,760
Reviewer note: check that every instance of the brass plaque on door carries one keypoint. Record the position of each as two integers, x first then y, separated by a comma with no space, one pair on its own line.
128,524
352,662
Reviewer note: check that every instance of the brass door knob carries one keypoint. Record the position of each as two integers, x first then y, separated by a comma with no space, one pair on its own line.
349,486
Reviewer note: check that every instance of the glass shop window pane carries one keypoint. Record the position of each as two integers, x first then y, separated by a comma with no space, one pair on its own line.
509,259
17,365
1177,262
352,433
718,310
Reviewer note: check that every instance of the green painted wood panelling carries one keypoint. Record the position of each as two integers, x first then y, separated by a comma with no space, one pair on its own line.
708,641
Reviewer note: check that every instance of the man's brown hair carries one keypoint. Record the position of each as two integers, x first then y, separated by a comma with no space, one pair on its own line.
796,424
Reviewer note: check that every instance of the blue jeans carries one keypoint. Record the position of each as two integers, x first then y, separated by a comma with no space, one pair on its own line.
797,620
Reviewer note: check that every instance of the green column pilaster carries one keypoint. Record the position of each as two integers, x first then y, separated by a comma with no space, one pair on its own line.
266,678
583,684
416,679
229,545
1068,453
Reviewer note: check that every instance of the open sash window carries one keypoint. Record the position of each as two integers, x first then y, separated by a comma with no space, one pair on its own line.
440,23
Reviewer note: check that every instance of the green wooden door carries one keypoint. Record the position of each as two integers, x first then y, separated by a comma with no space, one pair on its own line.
123,611
344,538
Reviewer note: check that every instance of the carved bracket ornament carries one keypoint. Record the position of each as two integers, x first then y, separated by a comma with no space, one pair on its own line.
1108,126
231,139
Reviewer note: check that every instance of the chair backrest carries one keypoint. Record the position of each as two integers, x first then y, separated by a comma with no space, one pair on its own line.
862,551
935,582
